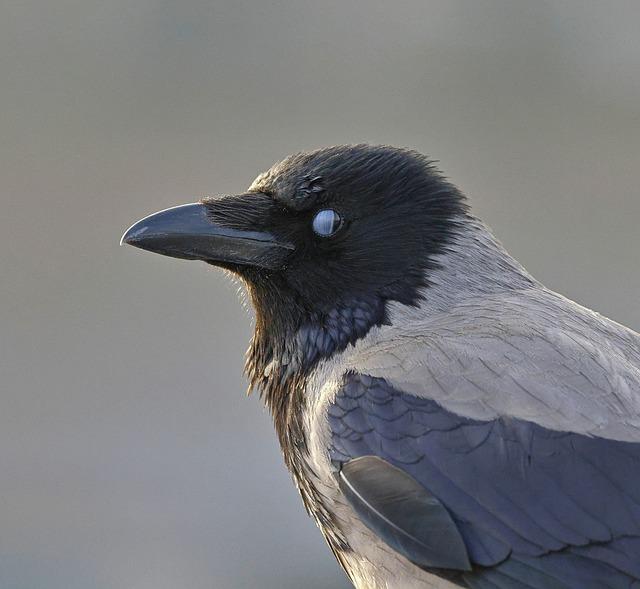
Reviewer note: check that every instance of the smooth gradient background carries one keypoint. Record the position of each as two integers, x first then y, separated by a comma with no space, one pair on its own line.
130,457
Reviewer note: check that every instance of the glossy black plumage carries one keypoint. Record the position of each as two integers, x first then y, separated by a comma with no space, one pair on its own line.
543,508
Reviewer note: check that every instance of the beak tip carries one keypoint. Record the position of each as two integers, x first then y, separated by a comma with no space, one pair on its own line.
131,235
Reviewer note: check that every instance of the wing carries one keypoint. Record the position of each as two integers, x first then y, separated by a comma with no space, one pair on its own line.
534,508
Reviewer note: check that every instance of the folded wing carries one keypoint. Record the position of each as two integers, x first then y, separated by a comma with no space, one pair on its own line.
519,504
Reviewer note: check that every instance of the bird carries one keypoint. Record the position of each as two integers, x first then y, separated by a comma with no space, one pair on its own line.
447,419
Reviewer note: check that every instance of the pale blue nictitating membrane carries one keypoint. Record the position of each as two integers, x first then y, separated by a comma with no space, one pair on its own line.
326,222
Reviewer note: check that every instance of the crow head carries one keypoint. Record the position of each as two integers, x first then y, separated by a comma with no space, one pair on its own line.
322,241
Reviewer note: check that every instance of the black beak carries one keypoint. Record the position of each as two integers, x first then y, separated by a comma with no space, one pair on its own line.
187,232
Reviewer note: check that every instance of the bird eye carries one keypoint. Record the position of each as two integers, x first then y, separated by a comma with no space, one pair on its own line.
326,222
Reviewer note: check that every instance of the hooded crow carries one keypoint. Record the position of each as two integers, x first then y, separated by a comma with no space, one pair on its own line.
448,420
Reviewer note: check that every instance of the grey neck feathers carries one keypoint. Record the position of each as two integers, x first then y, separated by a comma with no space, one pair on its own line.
474,264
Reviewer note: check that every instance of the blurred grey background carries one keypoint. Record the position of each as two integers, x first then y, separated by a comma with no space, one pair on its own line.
130,457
